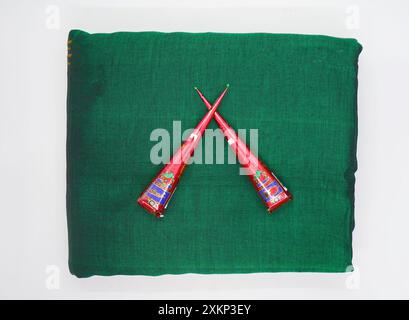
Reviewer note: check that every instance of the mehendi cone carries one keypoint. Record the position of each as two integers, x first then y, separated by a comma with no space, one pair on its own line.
156,196
269,188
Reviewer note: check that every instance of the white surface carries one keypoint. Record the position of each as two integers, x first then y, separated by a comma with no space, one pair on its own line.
33,236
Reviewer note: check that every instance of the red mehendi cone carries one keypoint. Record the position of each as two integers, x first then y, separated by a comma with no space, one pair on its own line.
269,188
156,196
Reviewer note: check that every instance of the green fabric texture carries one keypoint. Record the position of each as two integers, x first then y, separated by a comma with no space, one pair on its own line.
299,91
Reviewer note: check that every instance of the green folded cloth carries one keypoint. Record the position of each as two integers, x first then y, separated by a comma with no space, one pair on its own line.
299,91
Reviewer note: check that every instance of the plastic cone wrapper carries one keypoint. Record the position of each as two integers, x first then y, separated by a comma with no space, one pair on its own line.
268,187
156,196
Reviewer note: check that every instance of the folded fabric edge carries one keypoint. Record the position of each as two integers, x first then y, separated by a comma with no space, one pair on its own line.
89,271
74,33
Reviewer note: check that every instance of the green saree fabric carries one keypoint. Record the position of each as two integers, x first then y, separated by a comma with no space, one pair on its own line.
299,91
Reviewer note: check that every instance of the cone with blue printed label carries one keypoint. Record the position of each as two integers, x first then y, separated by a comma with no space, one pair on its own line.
269,188
156,196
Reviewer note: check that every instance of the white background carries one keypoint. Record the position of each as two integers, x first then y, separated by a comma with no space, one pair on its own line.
33,234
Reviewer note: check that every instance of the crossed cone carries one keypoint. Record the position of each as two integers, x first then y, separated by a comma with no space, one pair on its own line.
156,196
